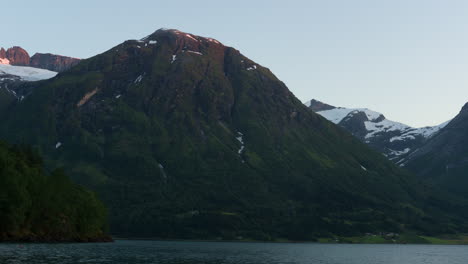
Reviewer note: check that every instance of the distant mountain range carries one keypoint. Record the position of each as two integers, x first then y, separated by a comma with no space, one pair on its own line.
395,140
184,137
17,56
16,67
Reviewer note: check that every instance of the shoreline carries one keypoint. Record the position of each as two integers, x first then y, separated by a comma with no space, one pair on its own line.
459,239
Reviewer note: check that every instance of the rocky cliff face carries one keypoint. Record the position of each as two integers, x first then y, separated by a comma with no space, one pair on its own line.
317,106
17,56
52,62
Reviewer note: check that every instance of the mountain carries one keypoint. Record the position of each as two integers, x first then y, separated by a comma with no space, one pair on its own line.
44,207
52,62
395,140
17,56
183,137
443,159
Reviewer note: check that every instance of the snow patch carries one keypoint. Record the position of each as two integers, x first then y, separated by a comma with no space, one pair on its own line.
399,153
430,131
174,58
58,145
138,79
240,138
251,68
383,126
153,42
163,172
195,52
191,37
4,61
363,168
118,96
336,115
27,73
402,137
339,114
213,40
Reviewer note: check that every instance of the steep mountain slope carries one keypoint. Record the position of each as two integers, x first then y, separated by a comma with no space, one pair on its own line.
393,139
184,137
443,159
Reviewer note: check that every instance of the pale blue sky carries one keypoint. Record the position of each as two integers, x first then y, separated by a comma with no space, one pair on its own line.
407,59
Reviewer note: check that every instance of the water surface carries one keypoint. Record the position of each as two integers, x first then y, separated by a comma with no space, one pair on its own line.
163,252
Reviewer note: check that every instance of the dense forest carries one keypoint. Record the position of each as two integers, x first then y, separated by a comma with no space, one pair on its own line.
40,206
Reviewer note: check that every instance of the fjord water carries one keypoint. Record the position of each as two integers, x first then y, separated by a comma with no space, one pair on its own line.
162,252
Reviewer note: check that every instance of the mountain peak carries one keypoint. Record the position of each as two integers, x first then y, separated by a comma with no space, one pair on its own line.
15,56
316,105
464,108
180,35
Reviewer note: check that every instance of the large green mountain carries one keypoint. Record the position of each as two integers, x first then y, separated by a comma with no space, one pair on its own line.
38,206
184,137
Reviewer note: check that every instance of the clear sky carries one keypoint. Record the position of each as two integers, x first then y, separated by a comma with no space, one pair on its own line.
405,58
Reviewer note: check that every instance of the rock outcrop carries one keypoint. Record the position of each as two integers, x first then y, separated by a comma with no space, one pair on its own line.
52,62
17,56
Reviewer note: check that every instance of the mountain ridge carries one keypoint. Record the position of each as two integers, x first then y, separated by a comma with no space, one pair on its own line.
395,140
183,137
17,56
442,160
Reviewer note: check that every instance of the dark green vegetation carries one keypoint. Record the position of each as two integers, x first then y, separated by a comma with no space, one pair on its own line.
187,138
35,206
443,160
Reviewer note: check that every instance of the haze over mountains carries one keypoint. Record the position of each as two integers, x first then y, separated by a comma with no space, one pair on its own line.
183,137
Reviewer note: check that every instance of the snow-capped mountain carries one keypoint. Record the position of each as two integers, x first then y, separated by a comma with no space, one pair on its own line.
395,140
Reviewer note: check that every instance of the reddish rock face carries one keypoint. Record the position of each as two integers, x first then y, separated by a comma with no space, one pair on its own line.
52,62
2,53
17,56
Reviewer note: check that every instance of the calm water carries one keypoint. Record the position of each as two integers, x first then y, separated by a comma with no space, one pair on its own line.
220,253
